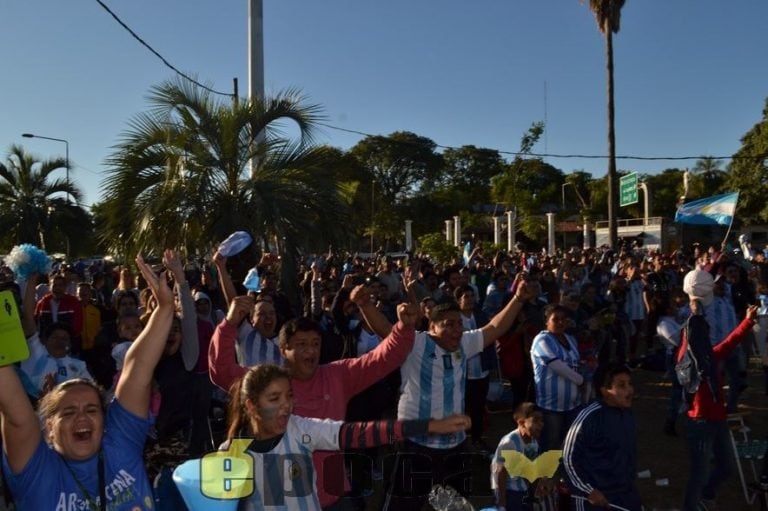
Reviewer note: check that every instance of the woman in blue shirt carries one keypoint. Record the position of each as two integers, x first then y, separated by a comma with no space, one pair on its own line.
91,457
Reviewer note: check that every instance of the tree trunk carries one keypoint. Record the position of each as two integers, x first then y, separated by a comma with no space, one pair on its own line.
613,192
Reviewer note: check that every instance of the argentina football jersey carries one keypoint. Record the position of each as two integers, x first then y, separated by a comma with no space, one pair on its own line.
434,384
254,349
554,392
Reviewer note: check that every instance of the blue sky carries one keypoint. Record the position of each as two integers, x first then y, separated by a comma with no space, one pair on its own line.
691,75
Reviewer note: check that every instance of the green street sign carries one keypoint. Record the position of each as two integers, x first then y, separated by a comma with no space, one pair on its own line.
628,190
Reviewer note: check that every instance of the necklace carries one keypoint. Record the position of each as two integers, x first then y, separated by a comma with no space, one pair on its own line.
92,504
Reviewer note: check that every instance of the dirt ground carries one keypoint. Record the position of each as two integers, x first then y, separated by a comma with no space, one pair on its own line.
665,456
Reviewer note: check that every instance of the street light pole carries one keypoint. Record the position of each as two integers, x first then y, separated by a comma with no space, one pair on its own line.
66,156
66,163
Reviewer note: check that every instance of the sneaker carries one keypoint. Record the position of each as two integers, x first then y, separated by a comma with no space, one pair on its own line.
707,505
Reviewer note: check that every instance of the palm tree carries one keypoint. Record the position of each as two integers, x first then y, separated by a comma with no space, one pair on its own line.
180,175
710,176
34,204
608,16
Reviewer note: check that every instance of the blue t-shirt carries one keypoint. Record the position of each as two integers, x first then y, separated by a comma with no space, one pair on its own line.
46,484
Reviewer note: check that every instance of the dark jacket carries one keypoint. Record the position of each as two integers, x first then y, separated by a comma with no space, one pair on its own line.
600,453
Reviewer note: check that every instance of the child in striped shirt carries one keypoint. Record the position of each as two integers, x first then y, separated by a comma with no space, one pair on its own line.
510,491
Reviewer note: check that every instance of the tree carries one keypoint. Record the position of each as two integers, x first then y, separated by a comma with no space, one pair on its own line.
709,177
533,187
748,173
180,175
469,169
36,207
397,166
608,16
437,248
529,185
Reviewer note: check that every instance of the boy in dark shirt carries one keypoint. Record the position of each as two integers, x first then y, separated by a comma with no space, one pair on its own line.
599,453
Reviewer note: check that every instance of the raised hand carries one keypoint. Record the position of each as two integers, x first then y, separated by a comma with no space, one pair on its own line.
450,424
218,259
408,314
239,309
522,292
173,264
361,295
158,284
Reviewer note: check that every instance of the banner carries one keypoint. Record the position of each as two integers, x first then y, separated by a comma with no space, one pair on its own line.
715,210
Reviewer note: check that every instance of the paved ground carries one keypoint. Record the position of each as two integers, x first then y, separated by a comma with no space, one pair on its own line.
664,456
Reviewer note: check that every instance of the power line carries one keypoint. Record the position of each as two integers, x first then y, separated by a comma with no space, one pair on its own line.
168,64
553,155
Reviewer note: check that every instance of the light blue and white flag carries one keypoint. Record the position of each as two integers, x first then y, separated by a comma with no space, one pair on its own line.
467,252
715,210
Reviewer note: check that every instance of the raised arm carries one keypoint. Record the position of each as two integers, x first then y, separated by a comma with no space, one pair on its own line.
362,372
20,425
28,304
315,291
134,385
361,295
222,363
354,435
503,321
225,279
190,343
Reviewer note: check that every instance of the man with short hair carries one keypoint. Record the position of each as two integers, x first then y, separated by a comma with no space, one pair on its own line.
433,386
257,340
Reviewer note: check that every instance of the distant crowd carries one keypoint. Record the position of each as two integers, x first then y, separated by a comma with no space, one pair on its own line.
375,369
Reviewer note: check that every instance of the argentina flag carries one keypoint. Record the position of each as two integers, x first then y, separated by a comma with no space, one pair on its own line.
715,210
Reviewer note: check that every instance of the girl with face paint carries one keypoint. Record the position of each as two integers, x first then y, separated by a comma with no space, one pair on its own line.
261,410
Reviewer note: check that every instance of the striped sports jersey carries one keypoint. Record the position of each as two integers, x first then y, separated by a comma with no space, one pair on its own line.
40,364
253,349
721,317
474,364
512,441
554,392
284,477
433,384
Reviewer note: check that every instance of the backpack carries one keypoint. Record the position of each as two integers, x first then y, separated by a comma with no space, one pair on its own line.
687,369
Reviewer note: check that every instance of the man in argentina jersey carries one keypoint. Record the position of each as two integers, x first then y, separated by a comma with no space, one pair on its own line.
257,342
433,386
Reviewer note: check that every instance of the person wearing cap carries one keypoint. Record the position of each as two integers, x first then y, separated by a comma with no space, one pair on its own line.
709,443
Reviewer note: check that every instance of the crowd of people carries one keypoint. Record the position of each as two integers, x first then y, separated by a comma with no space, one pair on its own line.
131,374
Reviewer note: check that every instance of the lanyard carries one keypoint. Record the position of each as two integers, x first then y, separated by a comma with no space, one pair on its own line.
92,506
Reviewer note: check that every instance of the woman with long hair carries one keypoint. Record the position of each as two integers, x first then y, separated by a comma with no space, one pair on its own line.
261,409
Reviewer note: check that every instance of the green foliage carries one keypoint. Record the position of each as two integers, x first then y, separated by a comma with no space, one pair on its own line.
38,208
666,189
399,163
436,248
393,170
531,185
748,173
181,176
